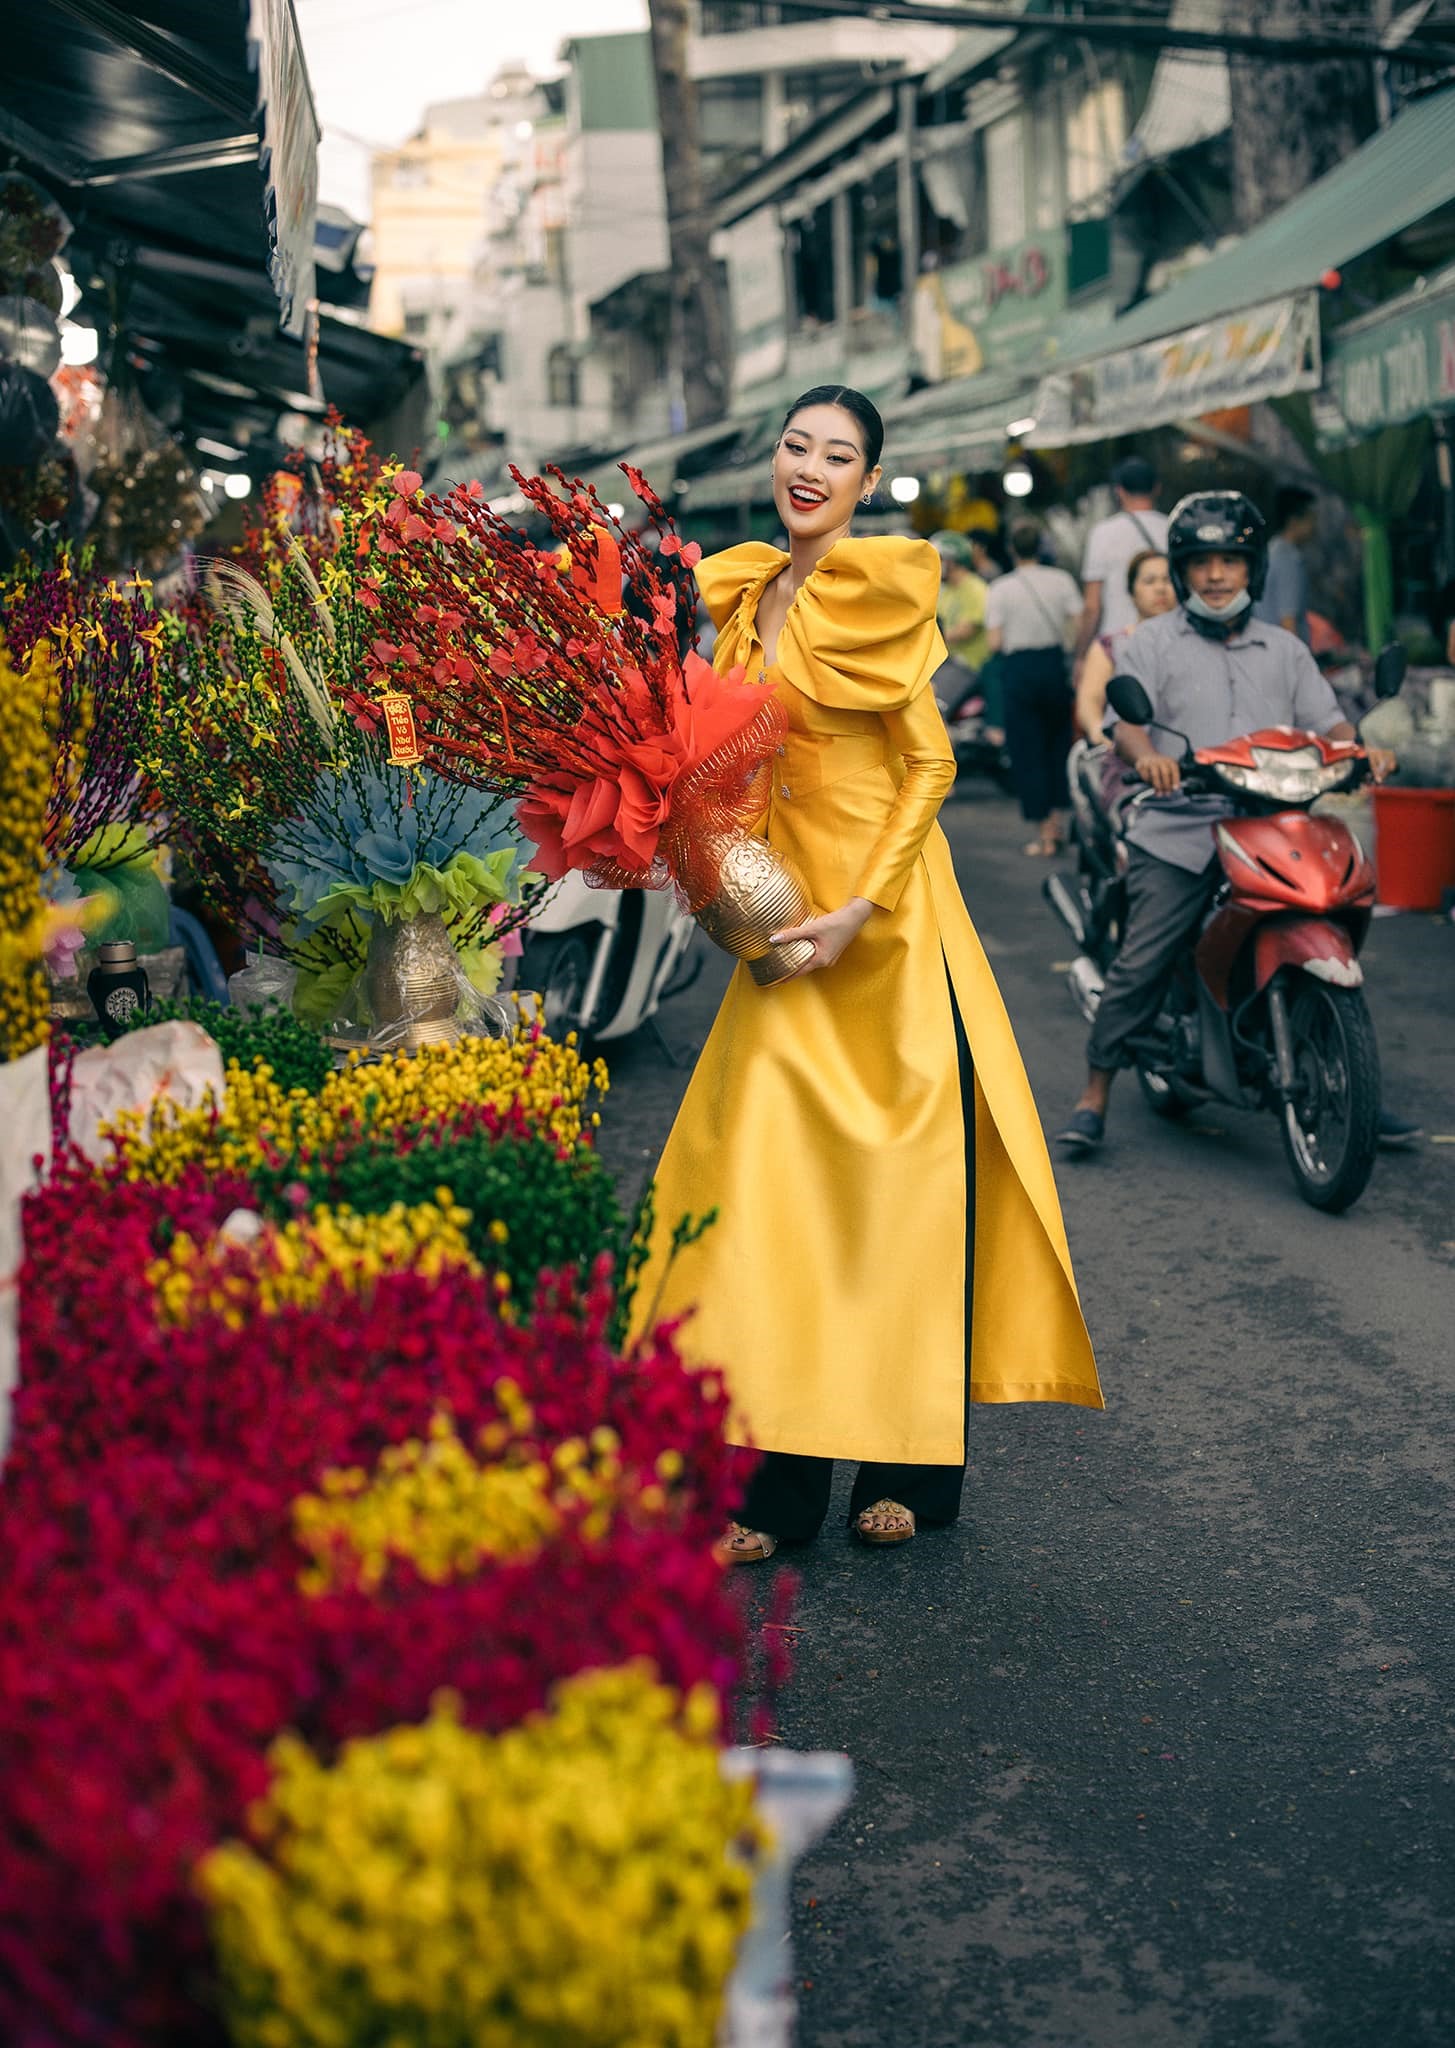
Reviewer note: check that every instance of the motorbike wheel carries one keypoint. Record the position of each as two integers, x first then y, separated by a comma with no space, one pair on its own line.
1331,1132
557,966
1163,1095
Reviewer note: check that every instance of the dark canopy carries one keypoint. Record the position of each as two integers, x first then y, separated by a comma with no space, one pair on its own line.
181,139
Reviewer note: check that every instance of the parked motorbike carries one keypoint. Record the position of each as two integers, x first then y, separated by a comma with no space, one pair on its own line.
1266,1009
980,747
603,961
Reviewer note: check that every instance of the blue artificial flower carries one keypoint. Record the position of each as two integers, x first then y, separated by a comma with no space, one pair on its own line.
386,857
359,828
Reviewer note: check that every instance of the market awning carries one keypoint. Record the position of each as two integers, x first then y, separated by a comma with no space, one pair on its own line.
1190,99
1245,324
191,129
183,147
955,423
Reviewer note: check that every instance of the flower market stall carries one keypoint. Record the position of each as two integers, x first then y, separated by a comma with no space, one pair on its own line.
365,1669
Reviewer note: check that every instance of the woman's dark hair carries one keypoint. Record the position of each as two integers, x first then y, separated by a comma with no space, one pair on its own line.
853,402
1025,540
1138,563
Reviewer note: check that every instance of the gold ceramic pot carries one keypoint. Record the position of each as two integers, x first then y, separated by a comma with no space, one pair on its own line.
412,983
759,891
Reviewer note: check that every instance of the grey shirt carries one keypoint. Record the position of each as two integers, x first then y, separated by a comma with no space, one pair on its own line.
1214,691
1286,592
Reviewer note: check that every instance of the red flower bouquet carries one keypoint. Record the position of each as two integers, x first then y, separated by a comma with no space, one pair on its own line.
158,1627
563,675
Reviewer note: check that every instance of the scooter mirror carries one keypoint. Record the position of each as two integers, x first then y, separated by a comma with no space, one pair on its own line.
1129,700
1389,671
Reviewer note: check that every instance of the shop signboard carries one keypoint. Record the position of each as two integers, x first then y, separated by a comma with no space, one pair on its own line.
1263,352
1395,368
1009,299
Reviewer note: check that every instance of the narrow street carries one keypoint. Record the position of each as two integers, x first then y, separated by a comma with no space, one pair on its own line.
1155,1748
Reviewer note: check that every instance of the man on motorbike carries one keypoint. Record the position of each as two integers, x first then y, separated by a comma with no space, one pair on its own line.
1213,672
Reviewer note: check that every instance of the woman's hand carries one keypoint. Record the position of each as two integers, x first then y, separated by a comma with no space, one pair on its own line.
1382,763
830,933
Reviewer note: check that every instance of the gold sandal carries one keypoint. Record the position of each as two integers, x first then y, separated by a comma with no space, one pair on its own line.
893,1535
742,1545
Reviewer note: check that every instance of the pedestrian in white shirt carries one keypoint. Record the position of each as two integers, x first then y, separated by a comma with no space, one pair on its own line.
1136,526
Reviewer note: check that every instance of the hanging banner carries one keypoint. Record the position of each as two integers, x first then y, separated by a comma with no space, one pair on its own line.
289,157
1394,369
1265,352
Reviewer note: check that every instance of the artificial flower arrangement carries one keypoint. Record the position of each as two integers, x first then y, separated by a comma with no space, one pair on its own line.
496,1853
104,642
562,676
303,817
26,763
309,1477
98,645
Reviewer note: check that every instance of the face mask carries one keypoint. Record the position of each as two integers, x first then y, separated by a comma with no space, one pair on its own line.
1223,618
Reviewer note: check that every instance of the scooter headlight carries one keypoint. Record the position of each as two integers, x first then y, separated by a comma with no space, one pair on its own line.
1296,775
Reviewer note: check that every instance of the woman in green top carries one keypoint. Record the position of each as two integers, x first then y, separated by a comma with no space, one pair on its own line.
960,614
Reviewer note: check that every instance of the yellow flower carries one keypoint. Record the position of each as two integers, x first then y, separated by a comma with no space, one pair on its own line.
294,1265
448,1511
549,1084
581,1881
27,766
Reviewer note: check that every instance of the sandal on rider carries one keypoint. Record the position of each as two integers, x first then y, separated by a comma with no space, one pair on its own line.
898,1518
744,1546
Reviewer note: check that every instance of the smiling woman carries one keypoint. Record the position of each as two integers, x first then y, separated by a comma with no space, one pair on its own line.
889,1244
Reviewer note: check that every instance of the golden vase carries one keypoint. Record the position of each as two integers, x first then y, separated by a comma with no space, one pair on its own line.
412,983
759,891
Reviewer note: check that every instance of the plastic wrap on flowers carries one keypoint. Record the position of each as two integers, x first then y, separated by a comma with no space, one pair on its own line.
169,1501
414,992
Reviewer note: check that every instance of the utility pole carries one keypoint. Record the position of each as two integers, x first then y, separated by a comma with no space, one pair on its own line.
699,324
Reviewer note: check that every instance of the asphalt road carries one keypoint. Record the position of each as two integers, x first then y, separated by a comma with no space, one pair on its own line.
1156,1748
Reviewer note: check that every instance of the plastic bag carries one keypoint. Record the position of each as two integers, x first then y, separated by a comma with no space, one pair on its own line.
265,983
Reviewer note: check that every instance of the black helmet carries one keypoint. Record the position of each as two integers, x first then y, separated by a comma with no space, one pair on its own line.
1217,523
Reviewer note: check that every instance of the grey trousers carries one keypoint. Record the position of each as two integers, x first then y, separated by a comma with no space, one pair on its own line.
1165,905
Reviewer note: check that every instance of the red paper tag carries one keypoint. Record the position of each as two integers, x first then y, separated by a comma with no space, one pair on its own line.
399,726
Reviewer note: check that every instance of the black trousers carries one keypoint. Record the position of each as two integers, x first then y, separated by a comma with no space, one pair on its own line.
1038,704
788,1495
1165,906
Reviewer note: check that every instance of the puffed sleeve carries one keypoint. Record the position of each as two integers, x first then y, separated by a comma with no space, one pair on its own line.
861,634
726,578
917,733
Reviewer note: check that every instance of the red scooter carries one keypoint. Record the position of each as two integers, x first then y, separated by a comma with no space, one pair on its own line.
1267,1006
